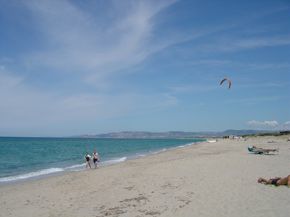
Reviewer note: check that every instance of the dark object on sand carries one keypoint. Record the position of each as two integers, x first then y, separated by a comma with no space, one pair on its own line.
255,150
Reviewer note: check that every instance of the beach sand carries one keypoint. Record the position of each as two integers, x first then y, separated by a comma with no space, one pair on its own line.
209,179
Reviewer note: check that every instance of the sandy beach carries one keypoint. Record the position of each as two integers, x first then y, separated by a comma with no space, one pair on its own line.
208,179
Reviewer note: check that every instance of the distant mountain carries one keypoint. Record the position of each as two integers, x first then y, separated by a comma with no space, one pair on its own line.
244,132
172,134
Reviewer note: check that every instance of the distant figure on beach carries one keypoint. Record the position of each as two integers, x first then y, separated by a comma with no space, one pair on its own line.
95,158
88,159
257,150
275,181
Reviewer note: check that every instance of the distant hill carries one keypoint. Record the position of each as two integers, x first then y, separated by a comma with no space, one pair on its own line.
173,134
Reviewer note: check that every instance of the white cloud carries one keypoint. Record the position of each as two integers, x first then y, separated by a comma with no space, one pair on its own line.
285,126
263,124
273,125
79,42
232,44
76,41
252,43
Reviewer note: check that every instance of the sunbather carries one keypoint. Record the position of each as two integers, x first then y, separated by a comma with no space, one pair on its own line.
257,150
275,181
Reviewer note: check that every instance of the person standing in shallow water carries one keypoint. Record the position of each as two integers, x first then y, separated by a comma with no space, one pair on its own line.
88,159
95,158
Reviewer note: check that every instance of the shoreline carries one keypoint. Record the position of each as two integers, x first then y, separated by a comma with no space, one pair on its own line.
209,179
59,171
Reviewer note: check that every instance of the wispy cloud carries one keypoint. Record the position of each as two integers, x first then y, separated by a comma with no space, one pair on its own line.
273,125
240,65
263,124
211,62
252,43
8,81
285,126
77,71
265,86
78,42
193,88
25,107
254,100
234,44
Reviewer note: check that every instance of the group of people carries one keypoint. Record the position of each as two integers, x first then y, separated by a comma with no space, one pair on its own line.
95,157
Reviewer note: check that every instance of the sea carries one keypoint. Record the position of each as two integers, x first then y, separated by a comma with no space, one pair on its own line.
30,158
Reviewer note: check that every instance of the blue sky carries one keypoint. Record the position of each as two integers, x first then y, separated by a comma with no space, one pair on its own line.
85,67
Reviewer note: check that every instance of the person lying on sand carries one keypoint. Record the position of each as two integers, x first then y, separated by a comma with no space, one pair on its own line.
275,181
257,150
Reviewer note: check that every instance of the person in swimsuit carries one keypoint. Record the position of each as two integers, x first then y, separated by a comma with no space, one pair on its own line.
88,158
257,150
95,158
275,181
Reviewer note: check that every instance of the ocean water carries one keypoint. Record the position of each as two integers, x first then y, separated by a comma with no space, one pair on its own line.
26,158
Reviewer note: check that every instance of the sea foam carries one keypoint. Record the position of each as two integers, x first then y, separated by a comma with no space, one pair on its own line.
31,174
114,161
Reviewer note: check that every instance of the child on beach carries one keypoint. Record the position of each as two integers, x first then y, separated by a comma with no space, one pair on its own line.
95,158
88,158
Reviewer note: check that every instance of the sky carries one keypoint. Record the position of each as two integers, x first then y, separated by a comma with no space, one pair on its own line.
95,66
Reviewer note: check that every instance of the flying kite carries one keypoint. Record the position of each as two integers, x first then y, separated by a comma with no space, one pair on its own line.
229,82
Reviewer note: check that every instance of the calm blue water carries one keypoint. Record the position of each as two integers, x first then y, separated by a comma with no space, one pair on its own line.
24,158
